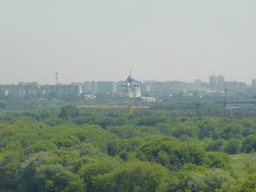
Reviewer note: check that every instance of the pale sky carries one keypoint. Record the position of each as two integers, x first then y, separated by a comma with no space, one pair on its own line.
98,40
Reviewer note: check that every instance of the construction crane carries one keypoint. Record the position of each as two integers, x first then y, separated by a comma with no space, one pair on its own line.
197,106
230,109
131,107
253,113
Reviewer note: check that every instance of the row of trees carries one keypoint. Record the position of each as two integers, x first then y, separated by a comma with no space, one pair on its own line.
89,158
90,151
168,106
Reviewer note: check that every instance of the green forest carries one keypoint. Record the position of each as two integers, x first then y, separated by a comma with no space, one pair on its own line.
50,145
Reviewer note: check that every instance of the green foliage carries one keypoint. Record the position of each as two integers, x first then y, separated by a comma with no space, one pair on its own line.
53,121
131,131
55,171
9,163
100,150
188,140
150,120
120,121
89,172
55,177
170,152
102,121
207,128
233,146
249,185
185,129
218,160
248,144
131,144
65,140
42,145
248,131
88,149
126,131
232,130
250,167
211,181
25,175
133,176
68,111
164,128
216,145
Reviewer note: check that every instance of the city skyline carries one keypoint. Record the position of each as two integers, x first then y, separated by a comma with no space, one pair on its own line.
129,87
54,82
97,41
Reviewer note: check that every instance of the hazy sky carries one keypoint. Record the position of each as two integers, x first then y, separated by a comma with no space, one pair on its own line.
103,39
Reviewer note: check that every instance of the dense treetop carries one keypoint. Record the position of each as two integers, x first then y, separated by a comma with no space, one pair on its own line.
65,149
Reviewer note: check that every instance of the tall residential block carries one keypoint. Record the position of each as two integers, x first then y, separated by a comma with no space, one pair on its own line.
212,82
108,87
254,83
220,79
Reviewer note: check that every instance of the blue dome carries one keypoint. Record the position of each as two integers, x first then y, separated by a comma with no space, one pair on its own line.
130,79
135,84
138,84
123,85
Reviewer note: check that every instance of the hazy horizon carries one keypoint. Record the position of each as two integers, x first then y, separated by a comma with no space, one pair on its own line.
103,40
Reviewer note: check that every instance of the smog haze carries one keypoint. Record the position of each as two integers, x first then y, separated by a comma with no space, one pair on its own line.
103,40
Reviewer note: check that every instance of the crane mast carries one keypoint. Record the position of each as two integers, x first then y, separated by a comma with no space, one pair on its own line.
230,109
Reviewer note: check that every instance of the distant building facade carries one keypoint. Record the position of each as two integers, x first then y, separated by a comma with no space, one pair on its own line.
108,87
175,86
94,86
220,83
254,83
3,92
213,82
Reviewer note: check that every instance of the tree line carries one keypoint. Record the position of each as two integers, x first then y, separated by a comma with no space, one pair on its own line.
94,151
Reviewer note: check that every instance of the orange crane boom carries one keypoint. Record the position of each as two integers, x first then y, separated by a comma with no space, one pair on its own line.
131,107
102,107
230,109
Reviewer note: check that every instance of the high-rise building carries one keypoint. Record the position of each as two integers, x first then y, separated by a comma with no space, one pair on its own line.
94,86
175,86
86,86
197,85
220,79
212,80
220,83
76,89
235,86
106,87
159,86
3,92
254,83
147,86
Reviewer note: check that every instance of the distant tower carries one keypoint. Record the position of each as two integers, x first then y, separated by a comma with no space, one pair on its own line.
253,83
56,78
220,83
220,79
212,82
